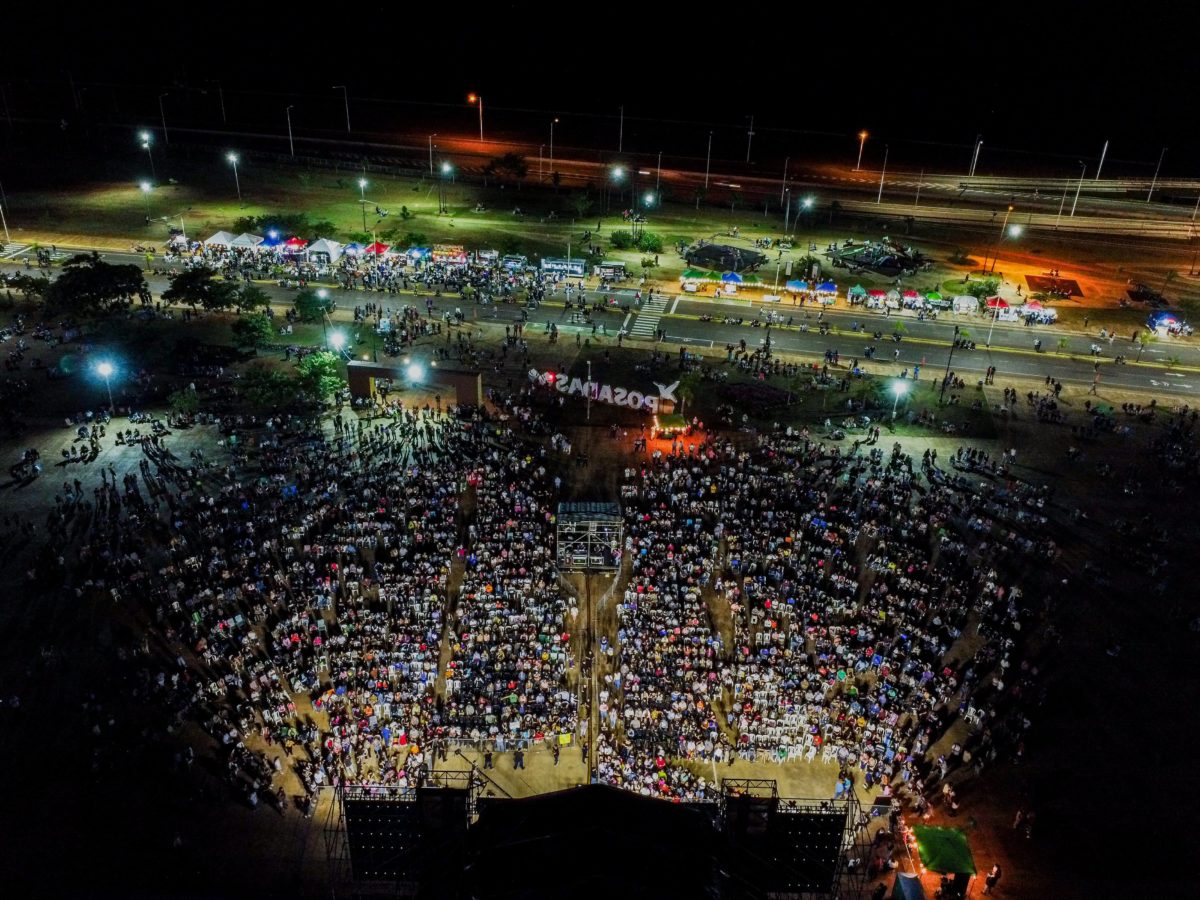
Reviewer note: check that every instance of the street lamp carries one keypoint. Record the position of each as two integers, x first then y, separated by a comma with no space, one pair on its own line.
649,198
233,159
415,372
618,173
899,388
431,137
145,137
946,376
337,340
362,192
322,294
446,170
862,140
163,115
552,124
291,143
475,98
106,370
975,156
145,186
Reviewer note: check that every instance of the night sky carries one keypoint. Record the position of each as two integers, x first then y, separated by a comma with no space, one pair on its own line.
1056,84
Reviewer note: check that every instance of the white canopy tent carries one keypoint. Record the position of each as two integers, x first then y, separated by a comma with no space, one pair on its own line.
324,250
965,303
246,241
221,239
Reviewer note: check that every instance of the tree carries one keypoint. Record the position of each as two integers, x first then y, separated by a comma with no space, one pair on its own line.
200,287
286,223
556,180
510,165
689,384
90,286
983,288
250,297
32,287
310,306
648,264
581,202
317,376
649,242
253,331
267,388
621,239
184,402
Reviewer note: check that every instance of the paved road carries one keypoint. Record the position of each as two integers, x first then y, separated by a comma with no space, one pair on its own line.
926,343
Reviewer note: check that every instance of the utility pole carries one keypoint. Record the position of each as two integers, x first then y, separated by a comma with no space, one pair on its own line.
431,137
749,138
658,177
946,376
1103,153
621,132
783,183
221,100
291,143
1157,169
920,180
346,101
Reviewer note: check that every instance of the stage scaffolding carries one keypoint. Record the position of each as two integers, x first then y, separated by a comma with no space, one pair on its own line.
589,536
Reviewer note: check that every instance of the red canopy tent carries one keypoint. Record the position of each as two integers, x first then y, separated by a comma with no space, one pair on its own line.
376,249
877,293
911,295
1034,304
996,303
294,243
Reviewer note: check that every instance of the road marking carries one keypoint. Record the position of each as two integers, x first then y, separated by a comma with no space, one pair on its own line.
625,324
16,249
678,297
689,340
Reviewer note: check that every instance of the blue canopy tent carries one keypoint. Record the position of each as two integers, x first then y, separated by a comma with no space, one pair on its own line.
731,278
797,286
907,887
353,249
272,239
826,287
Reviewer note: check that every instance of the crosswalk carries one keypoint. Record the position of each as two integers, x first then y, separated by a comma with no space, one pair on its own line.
648,317
11,251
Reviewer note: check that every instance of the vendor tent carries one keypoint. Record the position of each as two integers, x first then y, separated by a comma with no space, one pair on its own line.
325,250
1162,319
272,239
246,241
857,291
731,278
996,303
933,296
944,850
376,249
877,294
797,286
965,303
294,245
911,295
907,887
221,239
352,249
826,287
1032,305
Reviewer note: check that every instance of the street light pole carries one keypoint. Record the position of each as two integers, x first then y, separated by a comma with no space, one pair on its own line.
975,156
999,238
783,183
233,158
163,115
4,222
552,148
882,172
145,186
658,174
749,138
431,137
621,133
476,98
1082,172
787,208
946,376
1157,168
221,100
362,192
1103,153
291,143
346,101
862,140
145,136
707,161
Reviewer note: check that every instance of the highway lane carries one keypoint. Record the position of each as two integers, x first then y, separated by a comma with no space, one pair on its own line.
926,343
